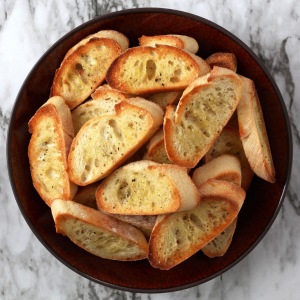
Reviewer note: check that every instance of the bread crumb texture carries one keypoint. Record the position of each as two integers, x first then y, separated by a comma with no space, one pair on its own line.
99,241
188,230
48,165
204,116
144,191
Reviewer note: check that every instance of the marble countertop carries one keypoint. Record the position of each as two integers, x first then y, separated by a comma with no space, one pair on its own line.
270,28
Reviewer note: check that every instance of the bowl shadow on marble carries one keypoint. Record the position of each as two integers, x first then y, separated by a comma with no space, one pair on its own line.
263,199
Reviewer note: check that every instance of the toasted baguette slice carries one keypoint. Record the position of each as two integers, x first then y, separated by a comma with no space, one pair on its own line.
148,70
253,133
156,149
179,41
225,167
229,143
223,60
147,188
144,223
105,142
86,195
220,244
165,98
178,236
84,70
118,37
52,135
202,64
98,233
203,110
105,93
228,168
104,104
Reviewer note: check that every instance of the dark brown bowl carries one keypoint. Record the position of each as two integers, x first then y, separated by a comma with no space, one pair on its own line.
263,200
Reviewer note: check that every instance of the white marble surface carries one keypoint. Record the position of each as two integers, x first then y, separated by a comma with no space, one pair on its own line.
270,27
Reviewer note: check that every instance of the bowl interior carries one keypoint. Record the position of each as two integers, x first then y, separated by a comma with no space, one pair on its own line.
263,198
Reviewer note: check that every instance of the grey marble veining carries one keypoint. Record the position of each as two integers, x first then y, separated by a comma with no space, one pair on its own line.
270,28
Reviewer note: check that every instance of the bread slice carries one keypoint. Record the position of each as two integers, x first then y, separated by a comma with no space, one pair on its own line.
103,104
203,110
228,168
225,167
179,41
118,37
52,135
105,142
148,70
86,195
84,70
253,133
220,244
143,223
223,60
147,188
156,149
98,233
202,64
229,142
165,98
178,236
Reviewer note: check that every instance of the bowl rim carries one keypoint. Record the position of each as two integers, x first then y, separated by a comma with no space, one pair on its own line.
228,35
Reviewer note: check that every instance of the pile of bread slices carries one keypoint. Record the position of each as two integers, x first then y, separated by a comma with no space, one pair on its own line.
134,148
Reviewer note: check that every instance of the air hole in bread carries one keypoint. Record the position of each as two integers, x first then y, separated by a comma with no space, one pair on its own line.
51,173
79,69
178,73
185,217
97,163
174,79
88,167
150,69
215,223
197,222
170,63
82,114
100,47
152,53
142,117
136,63
206,133
184,154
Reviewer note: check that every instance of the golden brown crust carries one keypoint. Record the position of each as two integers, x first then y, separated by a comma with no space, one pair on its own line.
173,119
225,167
74,66
247,173
223,60
118,37
213,251
253,133
49,110
114,79
162,39
124,107
103,205
102,93
212,190
62,211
